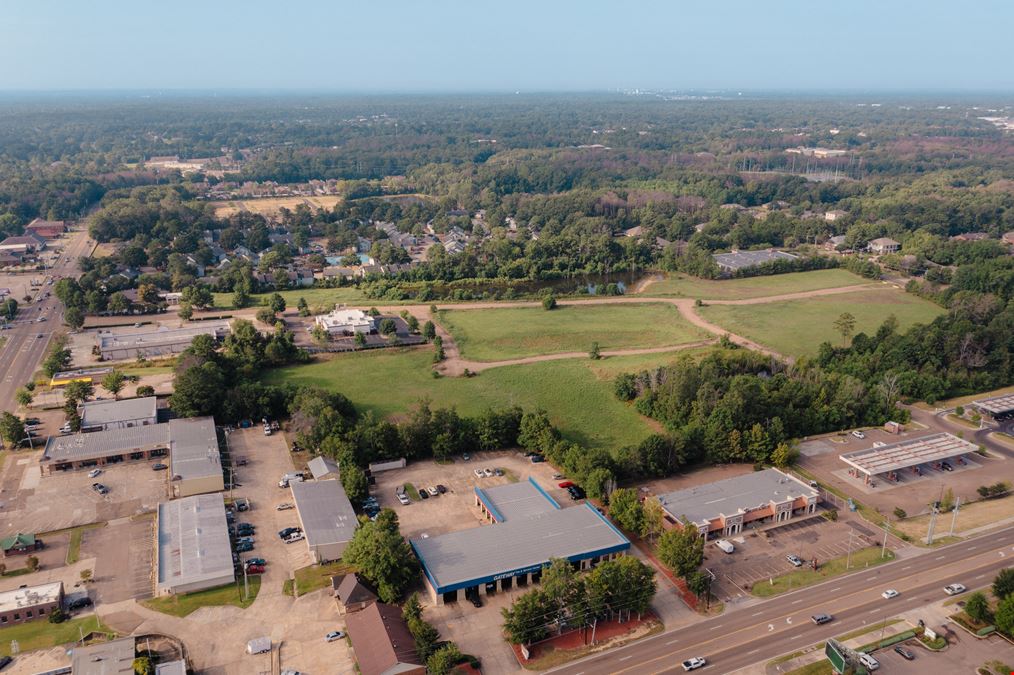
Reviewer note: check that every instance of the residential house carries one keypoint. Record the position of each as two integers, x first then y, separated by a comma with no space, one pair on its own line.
884,245
382,643
352,593
831,216
833,243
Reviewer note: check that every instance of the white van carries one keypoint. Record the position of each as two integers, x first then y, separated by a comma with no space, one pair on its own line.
869,662
290,478
725,545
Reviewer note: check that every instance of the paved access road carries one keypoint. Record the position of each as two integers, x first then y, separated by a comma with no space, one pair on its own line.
24,350
781,625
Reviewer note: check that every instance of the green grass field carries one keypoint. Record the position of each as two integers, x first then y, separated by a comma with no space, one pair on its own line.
496,334
685,286
41,634
230,594
797,327
577,393
320,300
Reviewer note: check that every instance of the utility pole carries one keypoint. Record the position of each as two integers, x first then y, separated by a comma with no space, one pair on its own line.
954,518
934,511
883,549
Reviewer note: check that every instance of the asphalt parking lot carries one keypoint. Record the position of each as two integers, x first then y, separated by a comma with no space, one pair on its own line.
757,557
456,510
124,558
36,503
963,654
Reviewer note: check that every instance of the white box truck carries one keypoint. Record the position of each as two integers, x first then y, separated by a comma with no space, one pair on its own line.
261,645
725,545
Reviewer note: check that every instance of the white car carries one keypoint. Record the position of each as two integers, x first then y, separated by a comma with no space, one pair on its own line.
487,472
858,434
95,473
889,593
954,589
294,537
285,506
403,498
433,491
478,473
694,663
334,635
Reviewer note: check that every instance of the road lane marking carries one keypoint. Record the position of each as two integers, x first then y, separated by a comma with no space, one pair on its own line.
972,548
757,613
871,578
874,611
753,651
796,602
624,658
940,557
834,589
670,642
906,567
715,627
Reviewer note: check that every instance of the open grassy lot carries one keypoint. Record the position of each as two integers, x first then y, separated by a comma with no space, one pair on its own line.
495,334
577,393
970,516
685,286
320,300
42,635
315,577
269,206
797,327
804,576
230,594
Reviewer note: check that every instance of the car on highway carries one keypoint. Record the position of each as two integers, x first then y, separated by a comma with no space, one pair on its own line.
95,473
794,559
821,619
954,589
904,653
858,434
694,663
889,593
334,635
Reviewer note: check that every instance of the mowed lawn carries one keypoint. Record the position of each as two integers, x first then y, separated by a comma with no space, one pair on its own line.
320,300
509,333
685,286
798,327
577,393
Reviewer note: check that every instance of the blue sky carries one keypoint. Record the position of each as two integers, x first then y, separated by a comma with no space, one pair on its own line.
549,45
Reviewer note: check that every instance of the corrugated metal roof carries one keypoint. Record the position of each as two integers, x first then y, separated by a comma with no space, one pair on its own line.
516,500
322,466
455,559
924,450
193,541
98,444
325,512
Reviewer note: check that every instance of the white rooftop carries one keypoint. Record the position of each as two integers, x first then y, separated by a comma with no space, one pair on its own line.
325,512
99,413
23,598
193,448
343,316
924,450
162,336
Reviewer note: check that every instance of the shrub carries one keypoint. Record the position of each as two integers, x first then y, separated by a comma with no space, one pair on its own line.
900,513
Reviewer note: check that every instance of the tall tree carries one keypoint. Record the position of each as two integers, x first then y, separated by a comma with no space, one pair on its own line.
845,324
625,508
114,382
383,557
12,429
681,549
1003,585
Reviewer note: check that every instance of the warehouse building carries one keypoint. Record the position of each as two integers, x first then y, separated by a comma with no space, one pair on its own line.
326,516
724,507
193,550
81,375
729,263
118,414
195,463
530,530
30,602
915,456
998,408
123,346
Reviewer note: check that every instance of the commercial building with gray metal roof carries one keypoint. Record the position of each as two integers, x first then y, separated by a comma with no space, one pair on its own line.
513,500
118,414
195,462
996,407
193,550
79,451
326,516
725,506
495,557
738,260
123,345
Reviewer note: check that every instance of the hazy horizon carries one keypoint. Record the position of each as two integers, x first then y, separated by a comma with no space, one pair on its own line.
455,47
